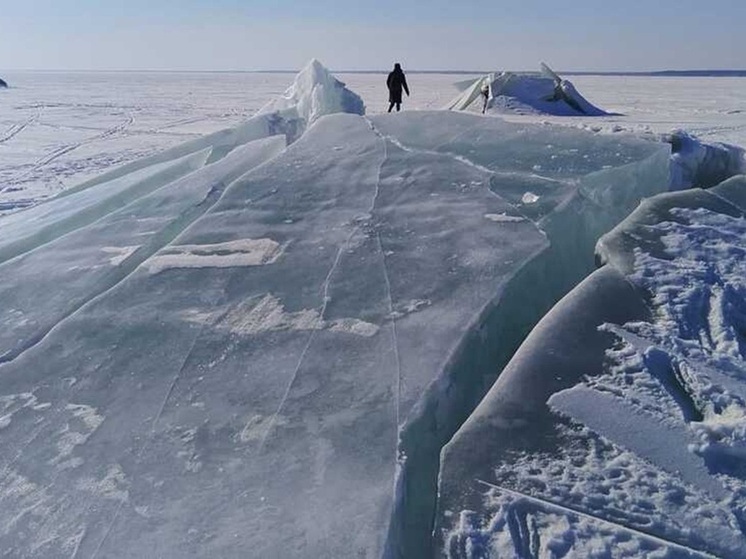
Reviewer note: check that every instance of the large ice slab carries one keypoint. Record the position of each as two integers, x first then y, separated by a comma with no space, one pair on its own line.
99,244
268,365
617,428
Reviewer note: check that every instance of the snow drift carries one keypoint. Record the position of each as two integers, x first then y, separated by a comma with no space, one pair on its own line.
523,93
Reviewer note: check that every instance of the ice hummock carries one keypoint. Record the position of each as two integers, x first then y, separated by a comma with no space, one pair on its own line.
314,93
525,93
618,428
239,348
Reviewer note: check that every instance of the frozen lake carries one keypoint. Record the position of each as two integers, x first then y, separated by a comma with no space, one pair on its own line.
228,347
58,129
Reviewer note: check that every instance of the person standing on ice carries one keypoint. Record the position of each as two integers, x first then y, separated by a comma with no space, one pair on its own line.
396,82
485,91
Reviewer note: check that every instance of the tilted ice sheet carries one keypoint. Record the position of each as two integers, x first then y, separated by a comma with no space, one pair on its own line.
104,138
89,251
240,390
24,231
617,428
58,129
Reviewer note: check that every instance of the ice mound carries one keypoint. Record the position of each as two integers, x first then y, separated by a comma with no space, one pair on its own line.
314,93
619,427
511,92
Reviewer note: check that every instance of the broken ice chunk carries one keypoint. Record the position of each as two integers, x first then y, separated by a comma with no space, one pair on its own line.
529,198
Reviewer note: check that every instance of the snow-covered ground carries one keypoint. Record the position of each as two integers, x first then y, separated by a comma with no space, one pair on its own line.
59,129
714,109
617,430
256,342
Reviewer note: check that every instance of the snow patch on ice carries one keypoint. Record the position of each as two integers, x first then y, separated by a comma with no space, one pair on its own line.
529,198
354,326
252,317
12,404
120,253
255,316
76,431
239,253
257,426
113,485
504,218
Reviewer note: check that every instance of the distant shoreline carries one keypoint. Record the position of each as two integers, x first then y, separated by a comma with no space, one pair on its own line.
669,73
659,73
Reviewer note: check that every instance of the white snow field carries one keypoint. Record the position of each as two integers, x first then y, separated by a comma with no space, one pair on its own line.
269,340
59,129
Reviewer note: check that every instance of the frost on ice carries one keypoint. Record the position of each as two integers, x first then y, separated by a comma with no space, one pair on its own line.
256,343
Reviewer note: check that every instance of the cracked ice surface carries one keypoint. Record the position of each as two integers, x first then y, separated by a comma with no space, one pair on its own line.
631,443
221,365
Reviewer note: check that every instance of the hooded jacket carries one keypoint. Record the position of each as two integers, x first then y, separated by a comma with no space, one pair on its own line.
397,82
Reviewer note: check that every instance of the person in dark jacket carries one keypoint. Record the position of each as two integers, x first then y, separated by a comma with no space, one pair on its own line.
396,82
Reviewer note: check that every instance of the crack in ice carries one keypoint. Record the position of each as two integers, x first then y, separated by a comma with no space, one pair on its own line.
151,434
322,312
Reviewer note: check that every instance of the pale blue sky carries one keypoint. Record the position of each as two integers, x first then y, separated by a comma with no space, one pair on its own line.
458,35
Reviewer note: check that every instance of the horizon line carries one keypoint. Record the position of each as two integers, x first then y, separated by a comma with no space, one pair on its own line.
641,73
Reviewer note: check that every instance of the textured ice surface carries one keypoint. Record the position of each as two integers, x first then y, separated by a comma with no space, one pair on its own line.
264,361
617,429
94,247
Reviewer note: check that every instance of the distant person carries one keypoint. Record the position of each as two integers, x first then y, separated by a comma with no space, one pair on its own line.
396,82
485,91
